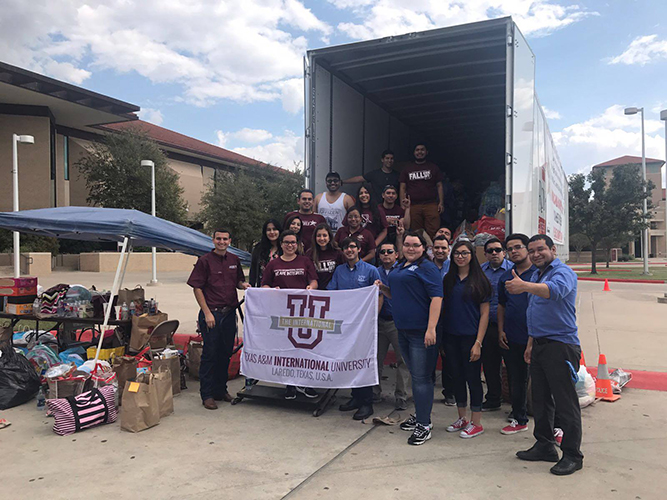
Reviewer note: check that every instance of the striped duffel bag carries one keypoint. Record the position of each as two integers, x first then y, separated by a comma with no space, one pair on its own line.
77,413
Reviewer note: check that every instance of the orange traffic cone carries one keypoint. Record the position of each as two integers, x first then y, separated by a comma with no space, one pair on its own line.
606,286
582,361
603,389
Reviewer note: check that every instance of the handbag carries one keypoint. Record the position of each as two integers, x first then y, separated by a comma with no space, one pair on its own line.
77,413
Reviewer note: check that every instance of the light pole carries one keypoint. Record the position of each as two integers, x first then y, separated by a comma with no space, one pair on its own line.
150,163
663,117
645,242
16,139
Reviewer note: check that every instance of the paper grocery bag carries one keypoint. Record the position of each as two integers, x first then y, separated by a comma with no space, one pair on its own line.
135,295
142,327
194,358
162,381
125,368
141,407
174,365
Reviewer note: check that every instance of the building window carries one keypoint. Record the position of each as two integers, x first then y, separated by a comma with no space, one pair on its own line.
654,225
66,156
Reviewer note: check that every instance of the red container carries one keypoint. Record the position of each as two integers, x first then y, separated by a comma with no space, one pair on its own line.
235,361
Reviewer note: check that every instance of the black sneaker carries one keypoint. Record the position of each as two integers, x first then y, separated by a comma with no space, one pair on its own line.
290,392
309,392
449,401
420,435
487,406
409,424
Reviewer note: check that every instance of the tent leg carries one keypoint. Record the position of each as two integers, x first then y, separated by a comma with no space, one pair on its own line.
122,264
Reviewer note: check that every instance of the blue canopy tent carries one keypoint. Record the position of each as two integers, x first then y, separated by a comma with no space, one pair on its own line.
131,227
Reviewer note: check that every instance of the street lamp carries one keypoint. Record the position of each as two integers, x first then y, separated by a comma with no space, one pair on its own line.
150,163
663,117
645,242
16,139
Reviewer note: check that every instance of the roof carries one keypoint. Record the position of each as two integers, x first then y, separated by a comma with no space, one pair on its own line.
175,140
627,160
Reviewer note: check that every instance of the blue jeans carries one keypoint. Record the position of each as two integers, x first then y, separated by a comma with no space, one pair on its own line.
421,361
218,349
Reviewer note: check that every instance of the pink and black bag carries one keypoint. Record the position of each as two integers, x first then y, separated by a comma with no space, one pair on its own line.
77,413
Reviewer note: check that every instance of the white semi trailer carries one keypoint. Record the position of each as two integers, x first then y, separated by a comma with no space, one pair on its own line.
468,91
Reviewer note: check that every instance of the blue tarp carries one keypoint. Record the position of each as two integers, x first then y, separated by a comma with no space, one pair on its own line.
112,224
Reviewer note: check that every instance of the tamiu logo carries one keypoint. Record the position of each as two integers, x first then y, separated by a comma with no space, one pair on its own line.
306,314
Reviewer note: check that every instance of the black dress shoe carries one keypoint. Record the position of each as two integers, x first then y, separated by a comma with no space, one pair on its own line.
363,412
352,404
567,466
538,454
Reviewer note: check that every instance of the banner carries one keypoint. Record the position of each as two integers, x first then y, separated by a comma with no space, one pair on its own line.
311,338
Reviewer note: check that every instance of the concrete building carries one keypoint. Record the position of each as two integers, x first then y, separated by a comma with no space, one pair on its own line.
658,230
65,119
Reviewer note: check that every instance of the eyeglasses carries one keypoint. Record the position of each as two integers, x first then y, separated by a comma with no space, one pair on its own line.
413,245
289,242
333,181
353,247
494,250
516,248
383,252
462,254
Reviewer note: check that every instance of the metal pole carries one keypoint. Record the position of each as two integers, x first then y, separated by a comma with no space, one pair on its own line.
15,181
645,241
154,280
665,188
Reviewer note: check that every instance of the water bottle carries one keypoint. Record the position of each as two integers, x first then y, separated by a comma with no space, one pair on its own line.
124,312
41,400
151,307
133,309
35,306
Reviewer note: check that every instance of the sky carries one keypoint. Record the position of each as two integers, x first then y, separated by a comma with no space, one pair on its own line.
229,72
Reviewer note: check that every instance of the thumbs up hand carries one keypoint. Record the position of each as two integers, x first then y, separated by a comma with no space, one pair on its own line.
516,285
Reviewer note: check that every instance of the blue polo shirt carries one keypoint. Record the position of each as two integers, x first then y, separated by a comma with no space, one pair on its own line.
361,275
556,317
516,325
386,311
461,312
445,268
494,276
412,287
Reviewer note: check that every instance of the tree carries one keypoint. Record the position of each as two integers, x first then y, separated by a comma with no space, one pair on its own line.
578,241
115,178
242,203
607,213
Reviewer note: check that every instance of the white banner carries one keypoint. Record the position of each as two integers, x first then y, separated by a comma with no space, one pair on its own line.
311,338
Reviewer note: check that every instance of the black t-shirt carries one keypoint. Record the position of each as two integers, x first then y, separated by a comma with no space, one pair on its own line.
378,180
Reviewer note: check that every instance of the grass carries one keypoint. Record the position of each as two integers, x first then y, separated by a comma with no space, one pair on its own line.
629,273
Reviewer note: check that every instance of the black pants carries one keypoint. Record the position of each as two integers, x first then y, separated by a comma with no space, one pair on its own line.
491,361
218,349
517,372
363,395
553,392
447,376
467,375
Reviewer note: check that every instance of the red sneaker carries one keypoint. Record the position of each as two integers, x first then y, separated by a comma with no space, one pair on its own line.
471,431
558,436
513,428
460,424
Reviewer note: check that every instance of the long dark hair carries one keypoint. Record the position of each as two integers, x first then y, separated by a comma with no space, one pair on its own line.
315,248
372,206
264,243
477,287
288,223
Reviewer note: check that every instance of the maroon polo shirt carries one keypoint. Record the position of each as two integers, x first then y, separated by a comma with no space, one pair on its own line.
391,215
297,273
217,276
308,223
363,237
326,265
421,181
368,222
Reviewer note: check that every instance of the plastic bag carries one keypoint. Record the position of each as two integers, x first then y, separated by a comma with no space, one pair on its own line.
619,379
489,225
42,357
585,387
18,380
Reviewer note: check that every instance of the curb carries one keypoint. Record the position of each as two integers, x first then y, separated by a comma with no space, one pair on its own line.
649,381
621,280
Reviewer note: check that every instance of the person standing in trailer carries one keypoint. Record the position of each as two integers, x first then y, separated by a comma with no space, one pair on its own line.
309,219
333,204
378,179
215,278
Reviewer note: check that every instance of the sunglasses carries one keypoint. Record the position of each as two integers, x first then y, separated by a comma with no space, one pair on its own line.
384,252
494,250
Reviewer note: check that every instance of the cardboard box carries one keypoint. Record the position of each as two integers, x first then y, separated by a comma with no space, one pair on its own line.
22,299
18,308
16,291
18,282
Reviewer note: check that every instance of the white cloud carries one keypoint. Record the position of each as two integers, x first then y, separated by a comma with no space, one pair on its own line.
151,115
214,49
284,150
550,114
381,18
606,136
642,50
